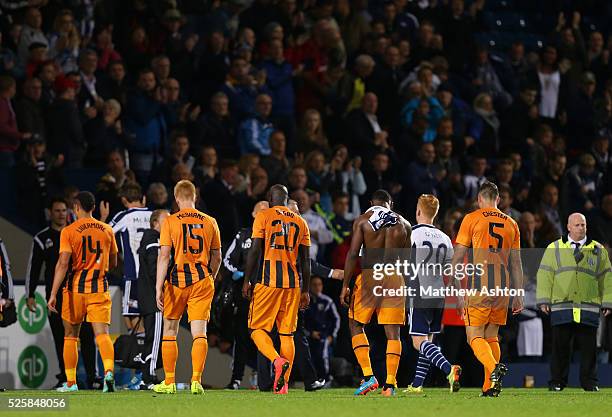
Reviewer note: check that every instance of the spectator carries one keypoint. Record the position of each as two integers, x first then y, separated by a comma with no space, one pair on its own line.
109,185
385,83
242,89
157,197
352,182
368,136
506,198
486,80
29,110
380,176
487,129
178,153
160,65
144,123
473,180
64,41
549,207
221,201
215,128
47,72
584,181
104,47
552,84
279,83
427,108
311,136
320,235
104,133
448,170
88,94
581,121
114,85
10,136
520,119
206,169
321,179
31,33
419,178
297,178
254,133
600,149
354,85
40,176
65,129
341,227
321,322
277,164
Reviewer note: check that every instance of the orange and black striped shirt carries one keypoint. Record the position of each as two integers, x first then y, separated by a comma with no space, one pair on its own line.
91,243
491,235
192,235
283,232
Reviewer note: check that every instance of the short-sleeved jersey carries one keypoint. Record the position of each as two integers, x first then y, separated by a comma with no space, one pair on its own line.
129,225
91,243
192,235
283,232
433,250
491,235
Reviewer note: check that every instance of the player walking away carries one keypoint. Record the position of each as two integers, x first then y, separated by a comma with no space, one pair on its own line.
196,244
378,228
495,240
88,246
45,253
431,246
284,240
129,226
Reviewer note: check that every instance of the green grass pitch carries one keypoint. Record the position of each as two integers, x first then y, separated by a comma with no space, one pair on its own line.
326,403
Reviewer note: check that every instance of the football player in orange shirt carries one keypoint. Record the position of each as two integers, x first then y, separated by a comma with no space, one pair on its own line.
193,238
283,238
88,247
494,239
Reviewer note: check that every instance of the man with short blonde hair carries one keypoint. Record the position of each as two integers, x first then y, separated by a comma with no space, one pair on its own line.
194,237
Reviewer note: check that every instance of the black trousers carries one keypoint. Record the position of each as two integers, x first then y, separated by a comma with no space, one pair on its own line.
88,345
243,344
563,338
153,326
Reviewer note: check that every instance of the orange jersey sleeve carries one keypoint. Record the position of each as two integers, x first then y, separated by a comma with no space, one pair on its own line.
464,237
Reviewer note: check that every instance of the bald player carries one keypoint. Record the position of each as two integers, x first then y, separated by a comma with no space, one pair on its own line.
282,239
378,228
494,241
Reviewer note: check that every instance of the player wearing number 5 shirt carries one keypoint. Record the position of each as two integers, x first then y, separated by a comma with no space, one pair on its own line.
89,249
283,238
193,239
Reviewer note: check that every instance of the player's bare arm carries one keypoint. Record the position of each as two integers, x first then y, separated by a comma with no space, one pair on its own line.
251,267
516,273
215,263
351,260
60,273
162,267
304,262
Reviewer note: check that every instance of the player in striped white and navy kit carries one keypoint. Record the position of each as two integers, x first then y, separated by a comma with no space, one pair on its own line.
129,226
430,247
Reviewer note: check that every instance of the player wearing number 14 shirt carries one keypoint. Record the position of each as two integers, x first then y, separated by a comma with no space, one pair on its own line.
88,248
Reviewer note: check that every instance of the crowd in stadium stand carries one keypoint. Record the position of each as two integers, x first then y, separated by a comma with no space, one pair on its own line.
334,98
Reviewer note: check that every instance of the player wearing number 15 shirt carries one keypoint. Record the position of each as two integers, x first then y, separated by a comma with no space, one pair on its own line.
283,238
495,242
88,248
193,238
